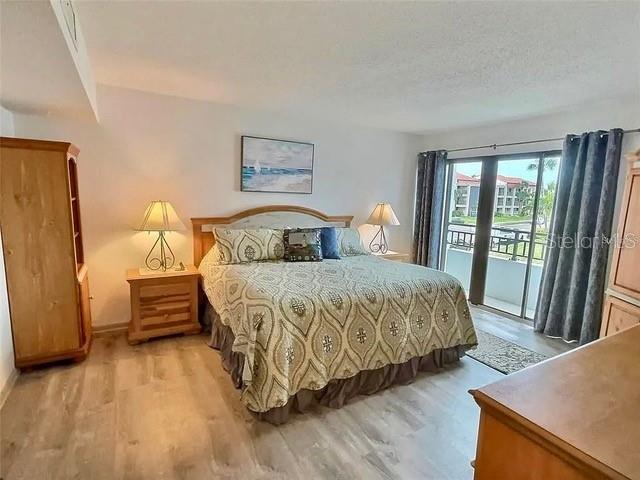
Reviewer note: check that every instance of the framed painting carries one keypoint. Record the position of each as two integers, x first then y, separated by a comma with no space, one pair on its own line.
277,166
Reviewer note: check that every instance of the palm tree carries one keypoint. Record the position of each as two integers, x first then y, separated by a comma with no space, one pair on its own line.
525,197
548,163
545,207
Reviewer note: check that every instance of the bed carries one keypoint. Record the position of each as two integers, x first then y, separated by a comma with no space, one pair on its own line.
292,335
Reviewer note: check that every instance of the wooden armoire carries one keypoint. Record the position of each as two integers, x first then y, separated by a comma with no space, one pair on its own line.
622,299
47,278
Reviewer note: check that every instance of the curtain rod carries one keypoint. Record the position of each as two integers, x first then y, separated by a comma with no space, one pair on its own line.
496,145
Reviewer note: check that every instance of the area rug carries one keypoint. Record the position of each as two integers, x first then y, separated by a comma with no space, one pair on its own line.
502,355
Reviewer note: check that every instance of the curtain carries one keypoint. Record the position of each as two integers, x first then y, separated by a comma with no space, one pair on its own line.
573,279
427,226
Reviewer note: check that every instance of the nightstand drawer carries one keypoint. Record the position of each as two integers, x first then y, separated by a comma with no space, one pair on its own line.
166,308
164,319
166,290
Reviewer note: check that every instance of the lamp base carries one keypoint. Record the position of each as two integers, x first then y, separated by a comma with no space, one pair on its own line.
379,243
164,259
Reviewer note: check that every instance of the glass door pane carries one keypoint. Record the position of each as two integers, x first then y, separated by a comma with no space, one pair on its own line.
461,219
546,198
511,232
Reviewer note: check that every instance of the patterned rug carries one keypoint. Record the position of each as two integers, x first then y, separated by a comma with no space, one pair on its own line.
502,355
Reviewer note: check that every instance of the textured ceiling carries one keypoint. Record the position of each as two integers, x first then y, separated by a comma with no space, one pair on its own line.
403,66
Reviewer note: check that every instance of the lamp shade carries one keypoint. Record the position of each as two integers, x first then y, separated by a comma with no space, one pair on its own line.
383,214
160,216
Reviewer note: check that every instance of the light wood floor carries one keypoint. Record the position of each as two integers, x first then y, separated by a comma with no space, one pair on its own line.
167,410
519,332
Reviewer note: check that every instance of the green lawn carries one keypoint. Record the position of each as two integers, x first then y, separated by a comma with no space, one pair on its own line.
497,219
501,219
538,251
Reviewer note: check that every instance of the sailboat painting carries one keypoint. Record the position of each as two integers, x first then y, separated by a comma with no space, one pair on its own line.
270,165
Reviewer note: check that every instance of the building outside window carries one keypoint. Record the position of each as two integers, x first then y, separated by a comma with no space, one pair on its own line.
510,193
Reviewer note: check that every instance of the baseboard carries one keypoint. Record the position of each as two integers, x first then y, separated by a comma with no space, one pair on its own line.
109,329
6,389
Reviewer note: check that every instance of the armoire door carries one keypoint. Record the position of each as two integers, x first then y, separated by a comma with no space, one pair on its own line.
626,260
38,246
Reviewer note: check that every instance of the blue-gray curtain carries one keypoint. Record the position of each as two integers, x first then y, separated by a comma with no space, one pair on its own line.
573,279
427,226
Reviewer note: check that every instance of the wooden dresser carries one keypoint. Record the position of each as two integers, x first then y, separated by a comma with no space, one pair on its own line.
622,300
47,278
575,416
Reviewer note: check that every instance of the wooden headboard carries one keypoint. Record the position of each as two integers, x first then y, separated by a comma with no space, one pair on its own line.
272,216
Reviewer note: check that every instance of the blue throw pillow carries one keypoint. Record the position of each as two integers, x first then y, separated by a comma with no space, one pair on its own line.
329,243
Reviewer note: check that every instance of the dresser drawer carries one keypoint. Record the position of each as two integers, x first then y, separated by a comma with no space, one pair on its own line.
618,316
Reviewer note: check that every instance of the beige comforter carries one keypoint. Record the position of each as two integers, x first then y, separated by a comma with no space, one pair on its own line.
301,325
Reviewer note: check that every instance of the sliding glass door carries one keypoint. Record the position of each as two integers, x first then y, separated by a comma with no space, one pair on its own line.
461,217
498,214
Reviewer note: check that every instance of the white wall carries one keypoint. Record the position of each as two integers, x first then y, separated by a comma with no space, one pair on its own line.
150,147
6,123
6,341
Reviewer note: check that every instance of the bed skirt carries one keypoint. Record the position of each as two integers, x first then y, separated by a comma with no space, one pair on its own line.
337,392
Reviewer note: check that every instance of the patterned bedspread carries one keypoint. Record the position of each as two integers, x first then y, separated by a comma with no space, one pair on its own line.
301,325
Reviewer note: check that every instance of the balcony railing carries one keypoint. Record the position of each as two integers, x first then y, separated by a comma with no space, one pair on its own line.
505,241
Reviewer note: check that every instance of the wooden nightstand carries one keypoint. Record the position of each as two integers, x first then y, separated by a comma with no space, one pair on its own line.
163,303
396,256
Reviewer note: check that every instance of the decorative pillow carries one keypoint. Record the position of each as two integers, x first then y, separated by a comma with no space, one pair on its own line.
302,245
350,242
248,245
213,257
329,243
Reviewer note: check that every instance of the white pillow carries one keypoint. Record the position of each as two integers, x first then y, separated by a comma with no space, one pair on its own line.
213,257
350,242
248,245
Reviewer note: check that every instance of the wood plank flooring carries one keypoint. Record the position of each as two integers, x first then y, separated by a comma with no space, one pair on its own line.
519,332
167,410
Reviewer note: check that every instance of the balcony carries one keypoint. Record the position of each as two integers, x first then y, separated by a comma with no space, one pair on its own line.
509,250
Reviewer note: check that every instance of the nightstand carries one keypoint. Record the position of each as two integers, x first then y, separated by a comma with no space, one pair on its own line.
164,303
396,256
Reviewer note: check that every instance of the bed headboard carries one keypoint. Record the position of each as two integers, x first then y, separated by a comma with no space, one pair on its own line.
272,216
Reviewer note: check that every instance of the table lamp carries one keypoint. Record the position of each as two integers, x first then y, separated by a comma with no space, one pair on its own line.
382,215
160,217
